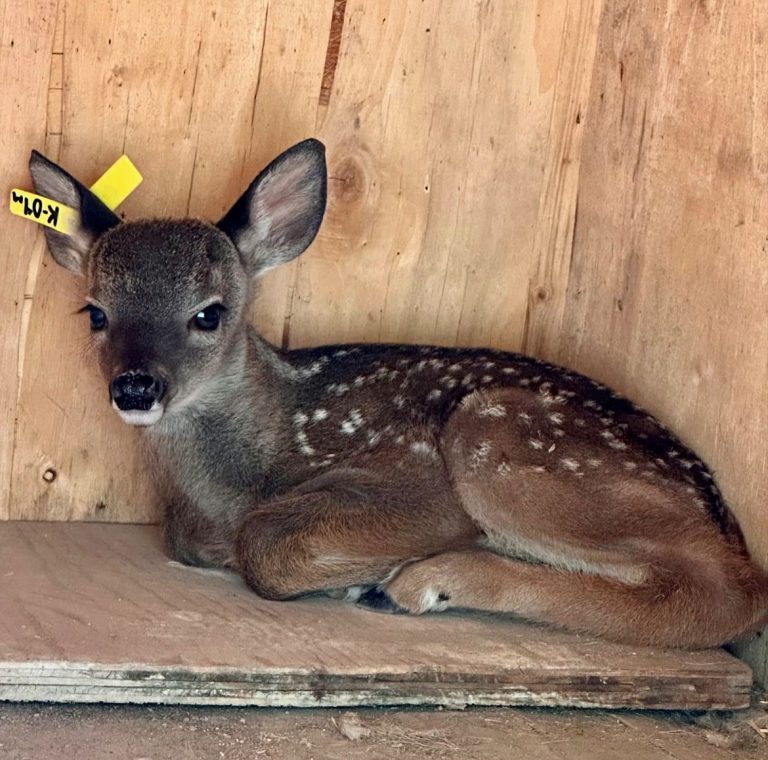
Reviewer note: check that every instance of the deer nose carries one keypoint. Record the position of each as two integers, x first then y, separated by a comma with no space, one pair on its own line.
136,390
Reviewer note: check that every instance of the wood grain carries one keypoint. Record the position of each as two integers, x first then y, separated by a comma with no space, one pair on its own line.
667,297
422,242
98,613
26,41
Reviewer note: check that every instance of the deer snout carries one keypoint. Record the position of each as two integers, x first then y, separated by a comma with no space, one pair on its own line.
137,396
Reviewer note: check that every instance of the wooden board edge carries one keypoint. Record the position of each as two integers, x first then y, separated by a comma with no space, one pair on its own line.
140,684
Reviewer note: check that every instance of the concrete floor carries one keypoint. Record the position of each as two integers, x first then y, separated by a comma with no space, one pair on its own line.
49,732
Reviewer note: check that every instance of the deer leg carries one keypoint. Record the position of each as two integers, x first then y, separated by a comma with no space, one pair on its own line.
344,538
619,555
674,606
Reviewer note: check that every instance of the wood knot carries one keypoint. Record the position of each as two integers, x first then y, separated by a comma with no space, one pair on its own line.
49,475
347,181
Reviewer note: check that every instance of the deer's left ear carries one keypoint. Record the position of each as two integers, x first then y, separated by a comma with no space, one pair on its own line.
278,216
94,218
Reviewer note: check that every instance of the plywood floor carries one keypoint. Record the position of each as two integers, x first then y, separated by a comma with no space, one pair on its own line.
97,613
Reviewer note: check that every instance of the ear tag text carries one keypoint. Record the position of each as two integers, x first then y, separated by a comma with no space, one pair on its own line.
112,188
44,211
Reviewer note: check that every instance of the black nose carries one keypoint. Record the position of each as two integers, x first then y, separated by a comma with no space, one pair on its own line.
136,390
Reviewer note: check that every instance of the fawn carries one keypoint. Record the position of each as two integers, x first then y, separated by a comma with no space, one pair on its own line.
407,478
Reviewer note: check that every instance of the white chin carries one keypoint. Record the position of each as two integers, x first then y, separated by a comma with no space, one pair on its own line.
140,417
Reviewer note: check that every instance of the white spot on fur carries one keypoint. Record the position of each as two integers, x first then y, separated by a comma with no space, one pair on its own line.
358,381
504,468
373,437
570,464
618,445
558,432
319,415
454,368
492,410
434,395
524,381
556,418
524,416
480,454
551,449
594,462
353,423
398,401
510,371
341,389
535,443
314,369
486,379
424,448
300,419
304,447
630,465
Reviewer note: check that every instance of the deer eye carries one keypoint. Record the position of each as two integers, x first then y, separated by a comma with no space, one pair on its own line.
208,318
98,317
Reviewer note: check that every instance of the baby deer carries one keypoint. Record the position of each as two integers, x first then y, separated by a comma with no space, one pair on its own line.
409,478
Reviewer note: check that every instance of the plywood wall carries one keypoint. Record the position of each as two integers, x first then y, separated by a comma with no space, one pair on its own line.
585,180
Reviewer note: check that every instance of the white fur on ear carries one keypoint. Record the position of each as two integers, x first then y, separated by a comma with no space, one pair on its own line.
94,218
279,215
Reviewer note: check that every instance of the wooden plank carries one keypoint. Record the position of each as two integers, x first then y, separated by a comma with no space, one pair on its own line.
26,38
667,293
97,613
425,240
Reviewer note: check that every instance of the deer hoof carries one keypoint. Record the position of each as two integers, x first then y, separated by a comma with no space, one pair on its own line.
378,600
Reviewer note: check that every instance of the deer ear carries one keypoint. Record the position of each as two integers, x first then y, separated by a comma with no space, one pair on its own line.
93,217
278,216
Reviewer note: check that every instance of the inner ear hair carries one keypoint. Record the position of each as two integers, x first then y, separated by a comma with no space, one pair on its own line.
279,215
93,217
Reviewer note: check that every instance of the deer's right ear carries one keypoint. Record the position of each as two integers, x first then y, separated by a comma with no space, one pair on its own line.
93,217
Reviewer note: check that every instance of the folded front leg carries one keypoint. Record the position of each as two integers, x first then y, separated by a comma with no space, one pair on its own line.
345,533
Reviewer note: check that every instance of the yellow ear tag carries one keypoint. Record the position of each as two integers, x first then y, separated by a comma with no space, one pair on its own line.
117,183
112,188
57,216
